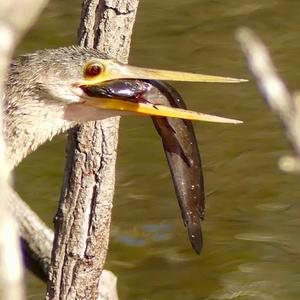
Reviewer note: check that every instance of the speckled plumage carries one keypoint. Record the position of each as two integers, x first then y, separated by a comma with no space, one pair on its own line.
36,95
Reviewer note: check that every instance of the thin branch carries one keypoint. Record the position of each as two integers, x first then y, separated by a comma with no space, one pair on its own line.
11,271
281,101
15,18
37,237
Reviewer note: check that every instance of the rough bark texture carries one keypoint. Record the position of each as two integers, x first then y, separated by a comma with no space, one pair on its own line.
37,241
15,19
84,214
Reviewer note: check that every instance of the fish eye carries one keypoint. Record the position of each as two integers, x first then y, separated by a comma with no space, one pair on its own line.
93,69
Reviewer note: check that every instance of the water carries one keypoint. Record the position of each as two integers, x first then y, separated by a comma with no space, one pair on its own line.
252,245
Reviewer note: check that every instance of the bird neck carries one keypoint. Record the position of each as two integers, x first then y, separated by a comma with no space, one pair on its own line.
30,123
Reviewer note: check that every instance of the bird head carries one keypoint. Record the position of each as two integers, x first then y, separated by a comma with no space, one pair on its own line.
91,86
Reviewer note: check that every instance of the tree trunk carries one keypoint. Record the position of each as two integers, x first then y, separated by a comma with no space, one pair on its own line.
83,219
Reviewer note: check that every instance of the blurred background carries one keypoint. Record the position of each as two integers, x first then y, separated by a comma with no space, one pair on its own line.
251,231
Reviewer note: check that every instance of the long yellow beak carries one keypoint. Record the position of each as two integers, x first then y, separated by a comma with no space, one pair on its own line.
126,83
112,70
157,110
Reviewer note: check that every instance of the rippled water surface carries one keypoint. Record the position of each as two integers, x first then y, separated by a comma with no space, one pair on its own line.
252,244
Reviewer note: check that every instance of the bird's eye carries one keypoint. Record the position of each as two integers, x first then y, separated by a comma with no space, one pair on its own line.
93,70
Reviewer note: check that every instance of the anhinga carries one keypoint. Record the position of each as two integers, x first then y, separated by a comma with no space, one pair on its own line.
50,91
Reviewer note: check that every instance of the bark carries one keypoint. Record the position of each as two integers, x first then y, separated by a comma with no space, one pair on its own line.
37,241
83,219
37,238
15,18
283,103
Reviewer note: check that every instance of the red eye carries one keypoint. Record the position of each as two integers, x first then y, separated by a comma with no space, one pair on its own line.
93,70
